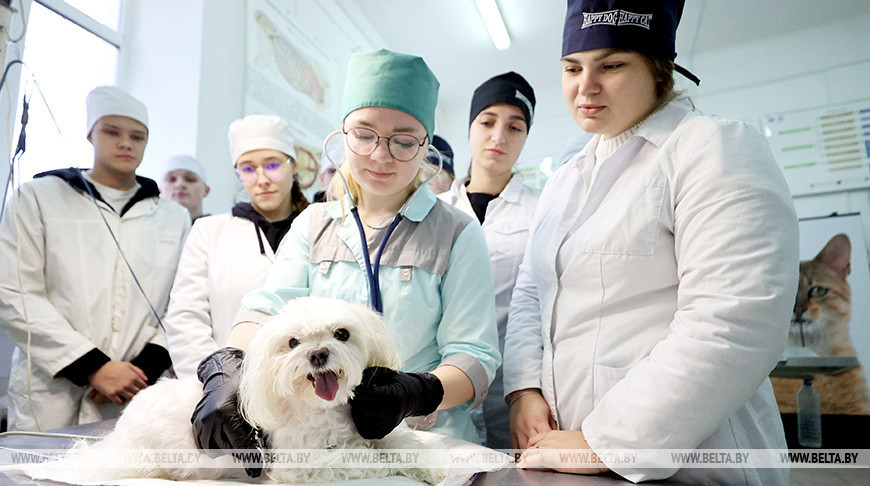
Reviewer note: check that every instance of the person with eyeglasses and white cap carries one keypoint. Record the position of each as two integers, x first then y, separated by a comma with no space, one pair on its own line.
656,290
87,339
434,278
228,255
184,182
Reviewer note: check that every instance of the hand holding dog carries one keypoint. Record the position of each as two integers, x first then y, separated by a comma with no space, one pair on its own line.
217,422
385,397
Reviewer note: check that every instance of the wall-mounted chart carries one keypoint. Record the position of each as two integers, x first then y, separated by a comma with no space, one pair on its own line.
824,149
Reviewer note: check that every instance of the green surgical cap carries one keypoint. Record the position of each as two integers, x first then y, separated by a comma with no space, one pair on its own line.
392,80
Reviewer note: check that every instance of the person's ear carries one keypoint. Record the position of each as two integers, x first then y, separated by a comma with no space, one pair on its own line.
207,190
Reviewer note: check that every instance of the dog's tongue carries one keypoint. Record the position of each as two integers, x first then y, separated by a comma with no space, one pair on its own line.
325,385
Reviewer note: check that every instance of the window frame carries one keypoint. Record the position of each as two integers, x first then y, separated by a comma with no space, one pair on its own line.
84,21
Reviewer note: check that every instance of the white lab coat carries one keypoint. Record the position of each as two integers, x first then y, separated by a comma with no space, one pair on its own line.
506,227
78,293
672,307
220,263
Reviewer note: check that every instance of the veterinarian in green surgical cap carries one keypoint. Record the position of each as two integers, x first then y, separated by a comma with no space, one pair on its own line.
431,276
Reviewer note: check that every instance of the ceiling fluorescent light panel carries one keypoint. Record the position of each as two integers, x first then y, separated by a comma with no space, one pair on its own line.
494,24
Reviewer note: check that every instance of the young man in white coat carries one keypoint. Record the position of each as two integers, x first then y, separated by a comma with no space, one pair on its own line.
87,338
184,181
661,270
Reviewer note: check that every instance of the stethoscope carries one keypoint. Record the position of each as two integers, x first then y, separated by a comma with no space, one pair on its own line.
372,270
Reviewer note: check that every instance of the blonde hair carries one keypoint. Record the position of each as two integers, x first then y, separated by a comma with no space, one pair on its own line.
336,188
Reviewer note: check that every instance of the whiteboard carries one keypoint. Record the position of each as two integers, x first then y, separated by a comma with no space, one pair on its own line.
824,149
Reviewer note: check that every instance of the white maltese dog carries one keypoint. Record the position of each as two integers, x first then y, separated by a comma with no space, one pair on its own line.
297,377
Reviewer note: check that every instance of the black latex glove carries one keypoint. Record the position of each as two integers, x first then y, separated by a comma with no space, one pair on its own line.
385,397
217,423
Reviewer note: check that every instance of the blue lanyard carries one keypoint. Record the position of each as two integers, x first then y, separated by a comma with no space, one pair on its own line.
372,271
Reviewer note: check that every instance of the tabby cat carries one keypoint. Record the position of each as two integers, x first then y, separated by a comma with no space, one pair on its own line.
820,322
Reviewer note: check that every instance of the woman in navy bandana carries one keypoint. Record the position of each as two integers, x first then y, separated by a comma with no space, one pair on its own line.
656,289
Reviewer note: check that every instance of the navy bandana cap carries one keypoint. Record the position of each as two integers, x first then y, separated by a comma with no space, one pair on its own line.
646,26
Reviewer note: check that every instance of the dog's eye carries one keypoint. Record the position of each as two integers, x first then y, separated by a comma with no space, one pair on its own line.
341,334
293,343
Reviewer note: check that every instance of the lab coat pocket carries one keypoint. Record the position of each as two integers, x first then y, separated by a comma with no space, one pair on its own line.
166,250
603,379
158,261
627,221
507,242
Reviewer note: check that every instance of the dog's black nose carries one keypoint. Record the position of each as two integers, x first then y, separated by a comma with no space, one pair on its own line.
318,357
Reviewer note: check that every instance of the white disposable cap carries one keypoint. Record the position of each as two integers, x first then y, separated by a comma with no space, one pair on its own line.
112,100
255,132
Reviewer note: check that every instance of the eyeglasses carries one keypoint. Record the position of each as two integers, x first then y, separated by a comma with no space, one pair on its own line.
364,141
275,171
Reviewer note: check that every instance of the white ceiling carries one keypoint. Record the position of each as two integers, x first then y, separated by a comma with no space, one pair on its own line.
451,37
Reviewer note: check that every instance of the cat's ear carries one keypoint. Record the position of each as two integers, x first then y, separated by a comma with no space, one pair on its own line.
837,255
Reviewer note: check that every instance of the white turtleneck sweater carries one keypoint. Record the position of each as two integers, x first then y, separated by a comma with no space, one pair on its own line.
606,147
603,150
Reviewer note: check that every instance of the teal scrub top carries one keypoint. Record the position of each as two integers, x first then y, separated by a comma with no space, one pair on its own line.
436,286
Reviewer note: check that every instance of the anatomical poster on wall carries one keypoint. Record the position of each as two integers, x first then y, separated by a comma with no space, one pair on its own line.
292,72
831,316
823,149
